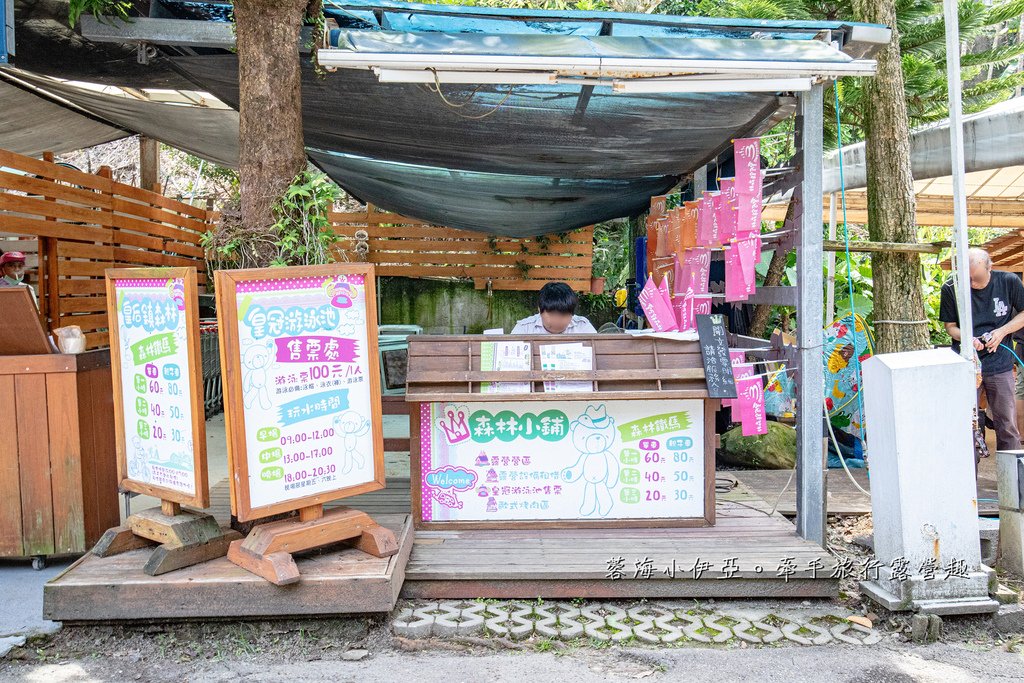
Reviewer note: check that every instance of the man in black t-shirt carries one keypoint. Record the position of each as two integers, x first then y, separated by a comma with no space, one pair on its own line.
997,309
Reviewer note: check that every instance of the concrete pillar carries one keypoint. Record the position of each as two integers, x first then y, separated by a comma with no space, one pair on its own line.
924,504
1010,476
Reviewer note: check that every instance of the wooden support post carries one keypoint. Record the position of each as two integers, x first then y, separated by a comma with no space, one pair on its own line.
185,537
49,294
267,550
149,163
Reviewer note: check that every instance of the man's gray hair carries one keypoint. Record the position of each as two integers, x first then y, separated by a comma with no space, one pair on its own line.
979,255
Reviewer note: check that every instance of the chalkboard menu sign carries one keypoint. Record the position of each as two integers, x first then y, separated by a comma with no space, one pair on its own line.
715,351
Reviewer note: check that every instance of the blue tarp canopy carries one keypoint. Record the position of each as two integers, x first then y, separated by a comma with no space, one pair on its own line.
529,159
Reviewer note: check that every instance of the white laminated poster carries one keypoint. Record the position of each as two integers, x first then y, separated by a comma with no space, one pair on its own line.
155,383
567,357
157,391
562,460
306,366
505,357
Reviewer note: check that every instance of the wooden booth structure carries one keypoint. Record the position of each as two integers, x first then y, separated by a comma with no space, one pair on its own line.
640,430
58,484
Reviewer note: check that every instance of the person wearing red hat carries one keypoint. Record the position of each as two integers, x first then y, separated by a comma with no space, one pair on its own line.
12,273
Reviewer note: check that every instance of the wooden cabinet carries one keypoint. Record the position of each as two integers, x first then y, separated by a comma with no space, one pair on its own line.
58,469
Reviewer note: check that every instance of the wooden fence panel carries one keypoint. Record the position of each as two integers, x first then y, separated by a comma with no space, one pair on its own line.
89,223
406,247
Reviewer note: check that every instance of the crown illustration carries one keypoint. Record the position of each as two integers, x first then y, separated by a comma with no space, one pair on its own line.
454,426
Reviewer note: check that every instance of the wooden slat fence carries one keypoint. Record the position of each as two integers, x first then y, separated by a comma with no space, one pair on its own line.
407,247
75,225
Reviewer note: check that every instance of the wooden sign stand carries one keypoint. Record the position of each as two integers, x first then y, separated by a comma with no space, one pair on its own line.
269,548
185,537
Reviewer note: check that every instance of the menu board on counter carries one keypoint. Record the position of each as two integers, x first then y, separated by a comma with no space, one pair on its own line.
302,385
157,377
561,463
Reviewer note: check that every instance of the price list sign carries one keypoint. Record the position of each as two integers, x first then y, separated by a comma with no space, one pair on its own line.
562,463
302,391
159,413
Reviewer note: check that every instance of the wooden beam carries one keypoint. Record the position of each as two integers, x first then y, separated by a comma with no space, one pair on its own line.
881,247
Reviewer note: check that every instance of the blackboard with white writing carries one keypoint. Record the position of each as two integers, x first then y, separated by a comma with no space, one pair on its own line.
714,349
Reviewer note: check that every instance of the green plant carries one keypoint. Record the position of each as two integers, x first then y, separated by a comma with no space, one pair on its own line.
524,268
611,258
302,221
592,304
301,233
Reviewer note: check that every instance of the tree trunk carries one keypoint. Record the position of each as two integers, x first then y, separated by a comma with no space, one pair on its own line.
891,201
270,137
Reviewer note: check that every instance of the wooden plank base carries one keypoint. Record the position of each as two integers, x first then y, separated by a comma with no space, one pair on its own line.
651,563
336,580
185,539
267,550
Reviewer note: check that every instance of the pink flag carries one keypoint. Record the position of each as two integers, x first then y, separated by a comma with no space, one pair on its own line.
735,289
681,274
705,218
746,253
700,269
727,221
659,315
666,293
747,157
701,304
735,358
683,306
750,398
717,202
748,215
739,371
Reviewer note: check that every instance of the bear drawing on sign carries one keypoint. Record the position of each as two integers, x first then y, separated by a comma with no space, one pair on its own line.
351,426
255,360
593,434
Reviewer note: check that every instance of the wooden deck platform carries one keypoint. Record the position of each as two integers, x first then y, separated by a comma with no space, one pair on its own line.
575,563
744,555
844,500
625,563
338,580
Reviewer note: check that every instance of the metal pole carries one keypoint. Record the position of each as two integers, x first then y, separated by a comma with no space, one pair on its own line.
810,451
961,263
830,290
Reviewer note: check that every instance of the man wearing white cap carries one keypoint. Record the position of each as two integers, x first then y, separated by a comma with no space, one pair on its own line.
12,273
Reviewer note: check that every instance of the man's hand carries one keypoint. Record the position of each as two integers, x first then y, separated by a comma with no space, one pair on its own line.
978,344
995,340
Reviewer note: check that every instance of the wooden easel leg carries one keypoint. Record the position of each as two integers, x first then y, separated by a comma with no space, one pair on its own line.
378,541
185,538
267,550
278,568
170,556
119,539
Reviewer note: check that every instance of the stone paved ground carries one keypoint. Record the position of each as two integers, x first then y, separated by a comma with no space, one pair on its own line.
655,623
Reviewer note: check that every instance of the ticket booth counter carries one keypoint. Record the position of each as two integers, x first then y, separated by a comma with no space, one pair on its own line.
58,481
629,443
